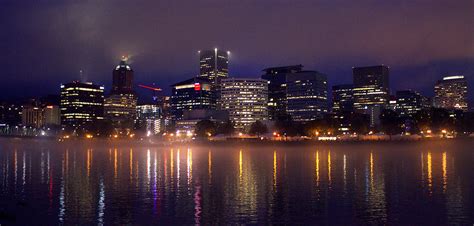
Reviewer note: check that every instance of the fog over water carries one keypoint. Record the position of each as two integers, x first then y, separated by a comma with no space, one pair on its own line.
426,183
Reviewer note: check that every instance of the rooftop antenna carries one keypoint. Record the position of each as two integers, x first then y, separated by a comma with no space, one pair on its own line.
81,76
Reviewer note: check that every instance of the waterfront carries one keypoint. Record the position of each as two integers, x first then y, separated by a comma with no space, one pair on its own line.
428,182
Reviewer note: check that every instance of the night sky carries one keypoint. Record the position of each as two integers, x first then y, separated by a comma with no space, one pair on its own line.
45,43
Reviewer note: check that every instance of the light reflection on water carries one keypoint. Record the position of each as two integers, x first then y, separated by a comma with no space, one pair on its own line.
341,184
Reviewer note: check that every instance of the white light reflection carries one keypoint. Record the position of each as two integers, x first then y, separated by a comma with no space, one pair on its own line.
101,205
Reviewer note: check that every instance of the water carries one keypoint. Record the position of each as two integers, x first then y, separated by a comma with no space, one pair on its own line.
422,183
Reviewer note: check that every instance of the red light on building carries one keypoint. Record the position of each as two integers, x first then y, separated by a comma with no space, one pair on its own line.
197,86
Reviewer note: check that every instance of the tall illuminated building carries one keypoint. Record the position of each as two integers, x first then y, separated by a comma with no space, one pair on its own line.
451,93
307,95
82,105
276,77
120,106
343,98
213,65
246,100
191,94
371,87
122,78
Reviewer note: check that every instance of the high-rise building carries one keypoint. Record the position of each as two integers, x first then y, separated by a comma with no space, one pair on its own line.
194,93
245,99
122,81
307,95
371,87
82,105
451,93
120,110
276,77
120,106
343,98
213,65
410,102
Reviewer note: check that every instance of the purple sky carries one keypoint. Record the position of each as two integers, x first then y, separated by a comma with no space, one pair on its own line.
46,42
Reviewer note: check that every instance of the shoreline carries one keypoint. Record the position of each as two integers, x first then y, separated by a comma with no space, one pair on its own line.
218,143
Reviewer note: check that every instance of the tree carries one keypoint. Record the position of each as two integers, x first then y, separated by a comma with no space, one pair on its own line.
359,122
205,127
285,125
258,128
226,128
391,123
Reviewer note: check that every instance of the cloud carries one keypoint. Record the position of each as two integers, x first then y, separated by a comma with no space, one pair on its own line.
53,40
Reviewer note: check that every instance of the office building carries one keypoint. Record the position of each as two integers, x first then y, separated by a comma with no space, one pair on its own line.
122,78
343,98
276,77
194,93
246,100
120,110
150,118
40,116
307,95
371,87
409,102
32,116
120,106
451,93
82,105
213,65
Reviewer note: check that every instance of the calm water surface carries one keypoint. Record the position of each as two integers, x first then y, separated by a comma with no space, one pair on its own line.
423,183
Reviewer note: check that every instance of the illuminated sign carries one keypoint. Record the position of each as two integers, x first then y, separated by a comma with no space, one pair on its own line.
197,86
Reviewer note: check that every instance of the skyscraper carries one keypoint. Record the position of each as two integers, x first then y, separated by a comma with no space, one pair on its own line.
82,105
213,65
276,77
343,98
371,87
191,94
245,99
120,106
122,81
451,93
307,95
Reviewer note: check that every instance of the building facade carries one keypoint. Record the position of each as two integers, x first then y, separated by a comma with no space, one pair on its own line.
410,102
41,116
451,93
82,105
276,77
120,106
371,87
120,110
122,78
246,100
150,118
194,93
307,95
343,98
213,65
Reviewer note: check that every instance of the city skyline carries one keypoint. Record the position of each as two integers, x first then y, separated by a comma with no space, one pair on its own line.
441,48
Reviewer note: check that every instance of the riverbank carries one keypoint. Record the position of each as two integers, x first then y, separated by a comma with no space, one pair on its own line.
104,142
